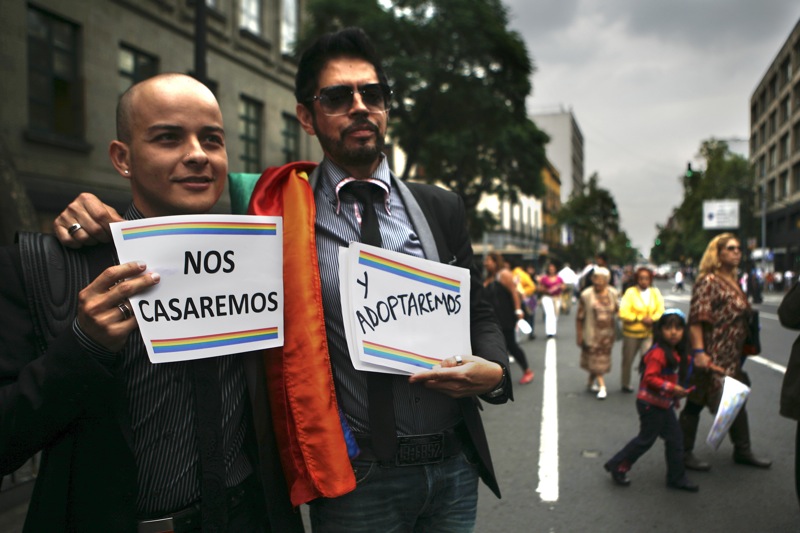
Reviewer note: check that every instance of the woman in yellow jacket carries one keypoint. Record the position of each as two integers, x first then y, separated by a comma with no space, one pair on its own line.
642,304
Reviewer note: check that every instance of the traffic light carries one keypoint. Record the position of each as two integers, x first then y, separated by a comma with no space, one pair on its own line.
658,242
689,172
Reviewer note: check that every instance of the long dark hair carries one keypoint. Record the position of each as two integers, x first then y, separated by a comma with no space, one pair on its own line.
672,317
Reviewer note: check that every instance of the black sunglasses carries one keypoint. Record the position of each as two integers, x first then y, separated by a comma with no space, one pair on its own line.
337,100
732,248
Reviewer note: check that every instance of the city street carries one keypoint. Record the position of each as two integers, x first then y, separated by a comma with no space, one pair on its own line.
572,493
553,480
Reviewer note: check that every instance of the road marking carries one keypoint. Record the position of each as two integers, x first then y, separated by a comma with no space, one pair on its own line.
767,363
548,436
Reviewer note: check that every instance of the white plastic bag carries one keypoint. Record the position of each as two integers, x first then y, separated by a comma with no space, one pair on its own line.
734,394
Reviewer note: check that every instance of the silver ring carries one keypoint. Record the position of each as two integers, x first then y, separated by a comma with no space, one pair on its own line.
125,310
73,228
459,360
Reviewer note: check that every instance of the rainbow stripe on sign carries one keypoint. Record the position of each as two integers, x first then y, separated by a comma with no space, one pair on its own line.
406,271
400,356
213,341
199,228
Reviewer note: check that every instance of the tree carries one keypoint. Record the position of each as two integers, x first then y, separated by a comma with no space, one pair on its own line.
726,176
592,216
460,79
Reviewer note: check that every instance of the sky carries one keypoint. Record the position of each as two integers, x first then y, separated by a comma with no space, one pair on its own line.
647,82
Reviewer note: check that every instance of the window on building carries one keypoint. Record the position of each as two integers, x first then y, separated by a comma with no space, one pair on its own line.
773,157
783,148
796,136
55,99
762,134
251,16
762,166
773,122
796,96
773,87
786,71
753,142
771,192
786,109
250,112
288,26
796,178
291,138
783,185
134,66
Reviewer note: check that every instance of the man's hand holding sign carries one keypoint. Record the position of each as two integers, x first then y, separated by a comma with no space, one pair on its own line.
407,315
222,286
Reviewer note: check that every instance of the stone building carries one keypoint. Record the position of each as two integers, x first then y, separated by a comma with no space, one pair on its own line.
64,63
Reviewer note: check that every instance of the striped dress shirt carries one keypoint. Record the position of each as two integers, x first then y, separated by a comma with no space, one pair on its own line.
162,414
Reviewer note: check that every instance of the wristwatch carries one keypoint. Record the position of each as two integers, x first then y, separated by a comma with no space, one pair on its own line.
500,388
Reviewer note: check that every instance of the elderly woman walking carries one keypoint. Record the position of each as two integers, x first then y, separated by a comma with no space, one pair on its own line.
718,321
642,305
594,327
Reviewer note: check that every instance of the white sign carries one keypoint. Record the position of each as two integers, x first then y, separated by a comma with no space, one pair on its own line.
402,314
721,214
221,288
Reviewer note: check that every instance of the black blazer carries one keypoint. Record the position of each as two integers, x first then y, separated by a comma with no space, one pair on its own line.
72,408
789,315
446,217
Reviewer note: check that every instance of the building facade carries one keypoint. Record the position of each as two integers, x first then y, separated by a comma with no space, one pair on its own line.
527,228
65,63
565,149
775,153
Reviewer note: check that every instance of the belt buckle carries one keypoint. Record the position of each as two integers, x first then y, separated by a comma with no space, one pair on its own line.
420,449
161,525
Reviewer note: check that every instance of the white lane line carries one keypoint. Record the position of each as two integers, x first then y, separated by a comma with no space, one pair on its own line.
767,363
548,438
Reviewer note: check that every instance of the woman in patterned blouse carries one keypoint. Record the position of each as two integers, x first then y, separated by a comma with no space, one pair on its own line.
718,320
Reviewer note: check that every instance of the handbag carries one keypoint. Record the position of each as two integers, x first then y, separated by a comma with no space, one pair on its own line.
752,343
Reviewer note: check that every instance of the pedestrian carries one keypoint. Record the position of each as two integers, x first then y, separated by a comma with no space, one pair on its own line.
641,305
678,281
124,442
501,291
718,324
550,288
664,370
570,279
595,329
789,315
532,300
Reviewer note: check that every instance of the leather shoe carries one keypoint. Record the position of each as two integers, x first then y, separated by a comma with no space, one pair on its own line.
691,462
747,458
619,477
686,485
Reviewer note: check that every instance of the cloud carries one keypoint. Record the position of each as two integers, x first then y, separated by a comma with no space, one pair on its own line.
648,81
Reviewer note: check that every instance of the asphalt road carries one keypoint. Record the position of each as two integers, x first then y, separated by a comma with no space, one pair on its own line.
568,491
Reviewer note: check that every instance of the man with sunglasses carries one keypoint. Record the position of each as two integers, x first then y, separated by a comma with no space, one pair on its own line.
424,475
343,99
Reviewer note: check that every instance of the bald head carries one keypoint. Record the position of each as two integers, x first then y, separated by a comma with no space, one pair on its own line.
127,104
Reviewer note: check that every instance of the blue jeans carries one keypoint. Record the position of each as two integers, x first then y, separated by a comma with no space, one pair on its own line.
655,422
438,498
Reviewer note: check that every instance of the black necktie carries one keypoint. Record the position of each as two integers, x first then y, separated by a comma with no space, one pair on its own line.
208,422
379,385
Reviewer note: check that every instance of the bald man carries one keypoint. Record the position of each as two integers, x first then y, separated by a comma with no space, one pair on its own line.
119,435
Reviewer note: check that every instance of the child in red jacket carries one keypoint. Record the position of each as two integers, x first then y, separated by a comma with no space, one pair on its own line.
663,368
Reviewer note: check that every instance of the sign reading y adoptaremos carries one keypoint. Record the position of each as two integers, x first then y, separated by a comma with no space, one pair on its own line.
221,288
402,314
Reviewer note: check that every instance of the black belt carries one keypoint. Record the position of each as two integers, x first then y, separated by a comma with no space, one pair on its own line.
413,450
190,518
